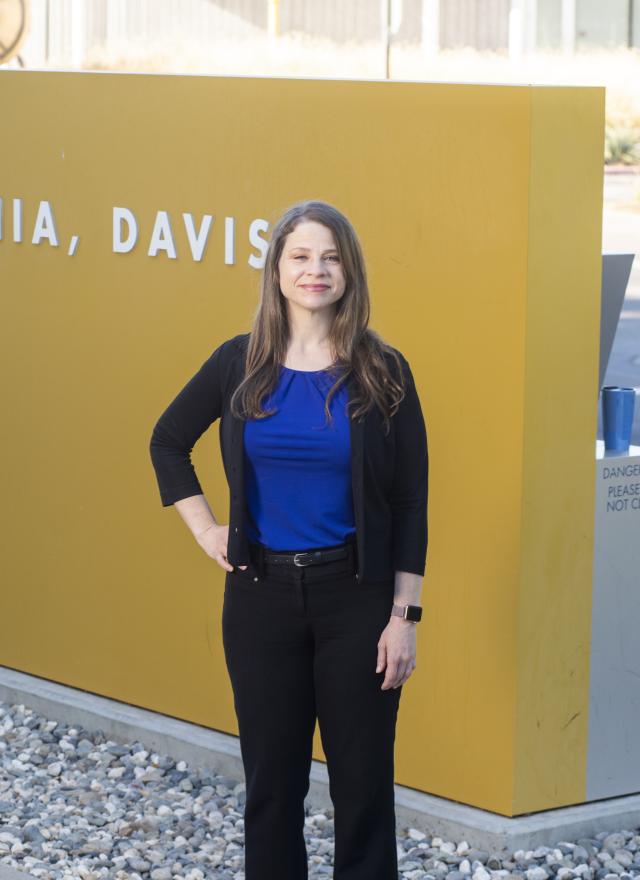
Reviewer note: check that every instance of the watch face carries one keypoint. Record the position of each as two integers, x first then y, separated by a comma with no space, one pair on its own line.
414,612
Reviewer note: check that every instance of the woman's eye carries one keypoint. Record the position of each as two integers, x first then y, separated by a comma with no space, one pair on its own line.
333,257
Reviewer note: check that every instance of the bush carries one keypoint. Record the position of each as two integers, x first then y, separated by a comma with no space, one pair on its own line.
622,145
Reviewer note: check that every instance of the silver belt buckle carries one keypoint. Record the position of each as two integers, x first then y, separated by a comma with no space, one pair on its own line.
296,562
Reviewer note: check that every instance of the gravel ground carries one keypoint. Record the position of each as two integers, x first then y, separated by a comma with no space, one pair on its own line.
74,804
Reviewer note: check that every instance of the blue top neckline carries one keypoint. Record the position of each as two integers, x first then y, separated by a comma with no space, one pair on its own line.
291,370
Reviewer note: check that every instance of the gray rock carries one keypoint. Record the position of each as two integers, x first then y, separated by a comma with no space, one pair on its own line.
614,841
537,873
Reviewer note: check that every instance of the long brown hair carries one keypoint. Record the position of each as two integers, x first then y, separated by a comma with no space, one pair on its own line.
359,350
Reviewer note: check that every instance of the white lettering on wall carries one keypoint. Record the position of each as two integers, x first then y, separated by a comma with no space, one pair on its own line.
120,216
162,236
125,233
45,226
17,220
229,241
197,242
256,241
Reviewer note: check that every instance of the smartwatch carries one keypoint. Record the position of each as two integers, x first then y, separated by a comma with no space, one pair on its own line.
409,612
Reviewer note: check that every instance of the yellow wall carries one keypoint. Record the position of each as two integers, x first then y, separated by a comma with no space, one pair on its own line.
561,395
479,209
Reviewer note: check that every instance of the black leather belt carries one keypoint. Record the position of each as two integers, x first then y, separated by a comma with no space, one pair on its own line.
310,557
307,557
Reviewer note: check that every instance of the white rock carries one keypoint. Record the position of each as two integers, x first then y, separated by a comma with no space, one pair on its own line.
623,857
139,758
536,873
131,853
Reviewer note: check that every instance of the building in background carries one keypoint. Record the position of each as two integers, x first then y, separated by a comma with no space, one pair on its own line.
62,31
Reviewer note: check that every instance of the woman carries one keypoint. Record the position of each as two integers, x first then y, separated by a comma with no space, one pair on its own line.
325,451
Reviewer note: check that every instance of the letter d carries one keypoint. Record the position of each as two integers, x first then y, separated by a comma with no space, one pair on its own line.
121,215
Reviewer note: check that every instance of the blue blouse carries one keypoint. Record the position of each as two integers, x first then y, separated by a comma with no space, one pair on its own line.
298,468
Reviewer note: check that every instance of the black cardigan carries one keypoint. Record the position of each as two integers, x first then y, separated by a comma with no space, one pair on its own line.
389,473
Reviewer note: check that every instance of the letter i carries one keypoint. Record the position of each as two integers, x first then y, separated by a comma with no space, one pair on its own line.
17,220
229,241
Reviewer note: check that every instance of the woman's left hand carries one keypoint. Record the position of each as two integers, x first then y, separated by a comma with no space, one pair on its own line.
397,651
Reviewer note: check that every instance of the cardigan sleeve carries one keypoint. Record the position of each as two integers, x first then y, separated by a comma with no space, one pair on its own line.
409,491
175,433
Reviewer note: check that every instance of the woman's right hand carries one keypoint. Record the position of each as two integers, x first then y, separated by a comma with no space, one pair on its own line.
214,541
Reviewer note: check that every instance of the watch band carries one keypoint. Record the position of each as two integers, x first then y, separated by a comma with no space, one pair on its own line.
409,612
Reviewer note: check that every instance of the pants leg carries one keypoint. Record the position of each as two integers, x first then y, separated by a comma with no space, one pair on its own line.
298,646
269,654
357,723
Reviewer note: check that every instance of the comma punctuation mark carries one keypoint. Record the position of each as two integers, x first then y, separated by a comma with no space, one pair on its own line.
73,245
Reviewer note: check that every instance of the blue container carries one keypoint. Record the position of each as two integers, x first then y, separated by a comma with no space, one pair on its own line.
617,417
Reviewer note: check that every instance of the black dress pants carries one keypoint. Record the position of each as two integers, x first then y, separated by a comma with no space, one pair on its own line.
301,643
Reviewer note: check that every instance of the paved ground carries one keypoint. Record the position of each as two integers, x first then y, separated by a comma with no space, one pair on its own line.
621,232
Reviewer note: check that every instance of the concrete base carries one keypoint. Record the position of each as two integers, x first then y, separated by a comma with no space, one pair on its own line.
203,747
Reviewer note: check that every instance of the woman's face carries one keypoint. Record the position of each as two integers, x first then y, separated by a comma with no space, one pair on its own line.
311,274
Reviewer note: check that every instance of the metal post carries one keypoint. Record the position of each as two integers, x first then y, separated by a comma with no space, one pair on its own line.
430,42
531,25
78,32
47,32
516,28
568,26
273,18
385,8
